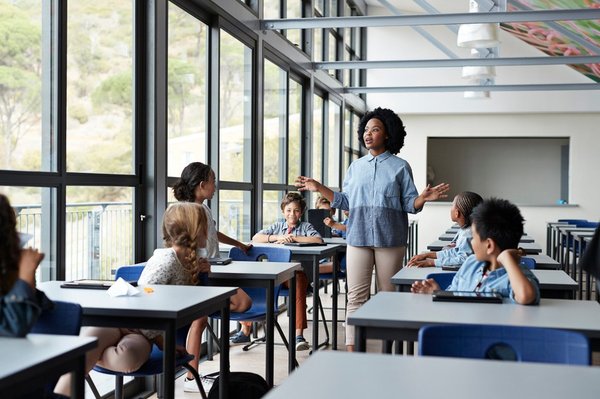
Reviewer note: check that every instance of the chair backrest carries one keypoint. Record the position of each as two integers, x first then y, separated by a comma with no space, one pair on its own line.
271,254
442,279
572,221
130,273
525,344
63,319
528,263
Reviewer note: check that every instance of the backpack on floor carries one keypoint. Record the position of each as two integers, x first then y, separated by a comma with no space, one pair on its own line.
242,385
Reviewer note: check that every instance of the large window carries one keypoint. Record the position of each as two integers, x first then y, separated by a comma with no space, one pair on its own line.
332,152
274,123
187,90
235,112
295,128
317,138
100,86
24,145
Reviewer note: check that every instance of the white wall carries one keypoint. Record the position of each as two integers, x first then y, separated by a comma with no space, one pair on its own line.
507,114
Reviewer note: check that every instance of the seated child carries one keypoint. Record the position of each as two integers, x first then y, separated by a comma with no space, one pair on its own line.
290,230
20,302
124,349
459,249
497,226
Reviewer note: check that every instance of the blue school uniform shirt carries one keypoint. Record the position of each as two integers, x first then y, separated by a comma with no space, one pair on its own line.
302,229
457,254
379,192
469,275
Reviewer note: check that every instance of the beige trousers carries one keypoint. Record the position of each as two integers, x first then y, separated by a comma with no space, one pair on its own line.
360,262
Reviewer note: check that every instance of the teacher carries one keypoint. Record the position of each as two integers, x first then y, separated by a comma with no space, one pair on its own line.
379,192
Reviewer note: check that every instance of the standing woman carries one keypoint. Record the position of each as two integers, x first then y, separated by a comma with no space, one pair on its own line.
197,184
379,192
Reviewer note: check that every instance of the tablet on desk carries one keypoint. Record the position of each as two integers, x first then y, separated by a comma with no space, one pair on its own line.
467,296
219,261
452,268
305,244
92,284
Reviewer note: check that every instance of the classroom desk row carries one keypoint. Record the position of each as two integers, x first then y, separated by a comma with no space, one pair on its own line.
450,236
29,363
553,283
367,375
398,316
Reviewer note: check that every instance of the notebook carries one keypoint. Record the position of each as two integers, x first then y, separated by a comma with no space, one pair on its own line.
467,296
219,261
305,244
92,284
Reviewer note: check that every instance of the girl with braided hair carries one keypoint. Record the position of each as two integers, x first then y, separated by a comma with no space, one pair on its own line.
459,249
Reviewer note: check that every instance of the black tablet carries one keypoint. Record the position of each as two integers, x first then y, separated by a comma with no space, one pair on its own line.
452,268
467,296
305,244
219,261
92,284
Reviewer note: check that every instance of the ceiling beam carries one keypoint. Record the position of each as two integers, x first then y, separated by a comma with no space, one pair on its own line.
437,19
458,62
438,89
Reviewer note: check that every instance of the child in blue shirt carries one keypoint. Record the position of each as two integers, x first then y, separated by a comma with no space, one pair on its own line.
497,226
460,248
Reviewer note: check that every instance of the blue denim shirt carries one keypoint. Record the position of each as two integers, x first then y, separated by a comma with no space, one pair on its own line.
20,309
379,192
469,275
457,254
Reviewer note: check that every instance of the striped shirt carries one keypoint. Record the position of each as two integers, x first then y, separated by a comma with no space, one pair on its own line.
379,192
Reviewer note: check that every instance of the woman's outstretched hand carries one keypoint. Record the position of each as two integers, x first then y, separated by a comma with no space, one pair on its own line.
436,192
304,183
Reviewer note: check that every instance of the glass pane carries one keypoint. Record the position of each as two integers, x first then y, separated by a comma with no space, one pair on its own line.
271,9
35,208
274,123
355,142
333,8
333,146
100,86
332,47
294,126
294,10
318,45
187,90
21,143
347,127
271,207
235,94
319,6
234,214
99,231
317,138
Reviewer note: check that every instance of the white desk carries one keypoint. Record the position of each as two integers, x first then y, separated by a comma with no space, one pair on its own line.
399,315
553,283
313,255
265,275
167,308
367,375
28,364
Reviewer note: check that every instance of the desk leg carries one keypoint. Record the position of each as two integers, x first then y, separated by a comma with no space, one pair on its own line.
360,340
168,385
334,304
269,333
315,338
224,358
78,378
292,325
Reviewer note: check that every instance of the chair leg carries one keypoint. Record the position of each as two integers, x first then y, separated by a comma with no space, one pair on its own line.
197,379
285,341
215,339
93,387
326,342
119,387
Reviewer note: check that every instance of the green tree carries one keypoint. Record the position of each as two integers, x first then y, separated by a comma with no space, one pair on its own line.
20,68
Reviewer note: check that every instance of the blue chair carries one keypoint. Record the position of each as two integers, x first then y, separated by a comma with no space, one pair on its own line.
63,319
154,365
442,279
258,310
523,344
528,263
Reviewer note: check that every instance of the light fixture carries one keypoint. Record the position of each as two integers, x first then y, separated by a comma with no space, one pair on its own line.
477,35
477,95
478,72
